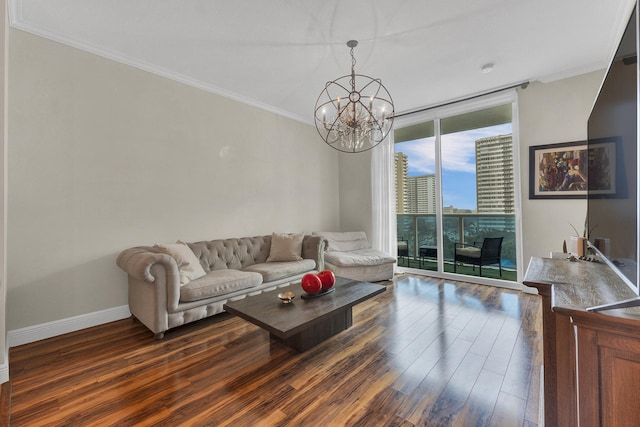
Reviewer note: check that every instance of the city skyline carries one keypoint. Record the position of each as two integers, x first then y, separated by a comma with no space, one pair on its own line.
458,162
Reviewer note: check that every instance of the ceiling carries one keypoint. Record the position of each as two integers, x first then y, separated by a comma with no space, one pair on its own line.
279,54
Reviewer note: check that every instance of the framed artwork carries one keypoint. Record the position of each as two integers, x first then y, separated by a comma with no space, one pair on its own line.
567,170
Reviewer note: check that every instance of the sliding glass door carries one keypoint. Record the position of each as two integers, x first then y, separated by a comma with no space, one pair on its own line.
416,193
455,191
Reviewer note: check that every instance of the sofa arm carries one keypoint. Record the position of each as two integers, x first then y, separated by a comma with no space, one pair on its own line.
137,263
313,248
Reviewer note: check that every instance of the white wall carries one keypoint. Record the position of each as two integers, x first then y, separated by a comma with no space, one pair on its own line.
553,113
103,156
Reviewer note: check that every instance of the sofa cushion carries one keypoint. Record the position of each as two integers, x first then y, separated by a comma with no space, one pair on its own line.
469,251
344,241
272,271
285,247
188,264
365,273
218,282
358,258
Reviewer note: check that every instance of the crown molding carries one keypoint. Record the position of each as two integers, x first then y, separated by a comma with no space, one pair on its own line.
17,22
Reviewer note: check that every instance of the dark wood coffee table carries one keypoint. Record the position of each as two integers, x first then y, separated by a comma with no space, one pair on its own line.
304,322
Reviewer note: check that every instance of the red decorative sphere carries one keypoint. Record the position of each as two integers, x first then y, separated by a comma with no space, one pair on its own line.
311,283
327,278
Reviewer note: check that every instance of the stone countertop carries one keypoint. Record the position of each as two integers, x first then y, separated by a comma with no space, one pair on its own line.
577,285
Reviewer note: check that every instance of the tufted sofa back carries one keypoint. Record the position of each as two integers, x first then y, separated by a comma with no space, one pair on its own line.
236,253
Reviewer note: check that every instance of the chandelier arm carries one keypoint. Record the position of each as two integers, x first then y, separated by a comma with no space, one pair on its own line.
332,127
371,81
324,105
378,89
346,89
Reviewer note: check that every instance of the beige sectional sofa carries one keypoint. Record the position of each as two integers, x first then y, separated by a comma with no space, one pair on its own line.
349,254
174,284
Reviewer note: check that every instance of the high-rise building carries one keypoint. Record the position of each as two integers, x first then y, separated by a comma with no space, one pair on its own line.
414,194
402,167
421,192
495,190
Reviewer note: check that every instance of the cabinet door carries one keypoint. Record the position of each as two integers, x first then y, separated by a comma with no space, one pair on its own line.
608,378
620,384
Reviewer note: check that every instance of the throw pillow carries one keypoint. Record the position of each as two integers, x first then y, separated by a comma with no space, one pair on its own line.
285,247
188,264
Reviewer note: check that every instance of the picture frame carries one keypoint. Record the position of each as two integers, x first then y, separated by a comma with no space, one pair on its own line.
560,171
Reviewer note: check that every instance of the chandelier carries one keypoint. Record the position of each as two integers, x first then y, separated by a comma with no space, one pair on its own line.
354,113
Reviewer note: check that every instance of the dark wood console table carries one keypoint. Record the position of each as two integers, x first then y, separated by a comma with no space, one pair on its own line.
591,359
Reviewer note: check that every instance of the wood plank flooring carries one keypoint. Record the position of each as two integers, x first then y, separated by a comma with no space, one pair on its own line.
426,352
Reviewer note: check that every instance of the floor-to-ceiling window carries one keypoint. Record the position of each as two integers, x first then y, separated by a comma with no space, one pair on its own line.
456,190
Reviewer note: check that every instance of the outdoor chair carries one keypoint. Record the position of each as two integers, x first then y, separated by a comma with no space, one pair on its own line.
489,253
403,249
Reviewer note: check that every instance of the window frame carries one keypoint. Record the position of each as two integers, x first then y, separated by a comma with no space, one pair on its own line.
435,114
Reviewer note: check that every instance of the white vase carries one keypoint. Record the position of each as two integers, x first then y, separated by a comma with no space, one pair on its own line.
577,246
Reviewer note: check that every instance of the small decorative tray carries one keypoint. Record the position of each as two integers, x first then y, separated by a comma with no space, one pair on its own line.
319,294
287,297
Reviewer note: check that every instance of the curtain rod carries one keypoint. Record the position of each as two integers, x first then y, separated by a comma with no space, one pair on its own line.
522,85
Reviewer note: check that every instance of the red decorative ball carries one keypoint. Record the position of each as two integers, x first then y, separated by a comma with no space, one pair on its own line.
327,278
311,283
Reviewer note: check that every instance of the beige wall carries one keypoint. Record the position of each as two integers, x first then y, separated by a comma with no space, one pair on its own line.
103,156
3,181
552,113
355,192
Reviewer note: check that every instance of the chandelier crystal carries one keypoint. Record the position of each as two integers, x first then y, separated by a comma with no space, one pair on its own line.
354,113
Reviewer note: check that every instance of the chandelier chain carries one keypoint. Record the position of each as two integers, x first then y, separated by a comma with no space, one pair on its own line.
353,70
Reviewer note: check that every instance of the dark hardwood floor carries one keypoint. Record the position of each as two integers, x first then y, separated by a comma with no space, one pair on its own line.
425,352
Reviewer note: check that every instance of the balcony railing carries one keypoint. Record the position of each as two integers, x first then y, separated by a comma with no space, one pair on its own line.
419,232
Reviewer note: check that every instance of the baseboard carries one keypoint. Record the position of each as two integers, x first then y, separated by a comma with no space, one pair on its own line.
63,326
4,371
5,404
541,399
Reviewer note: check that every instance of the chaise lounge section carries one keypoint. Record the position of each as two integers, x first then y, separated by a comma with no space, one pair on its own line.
174,284
349,254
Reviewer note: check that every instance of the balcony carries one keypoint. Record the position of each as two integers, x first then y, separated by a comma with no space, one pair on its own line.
419,233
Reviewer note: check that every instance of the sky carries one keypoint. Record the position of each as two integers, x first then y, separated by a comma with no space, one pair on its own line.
458,162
